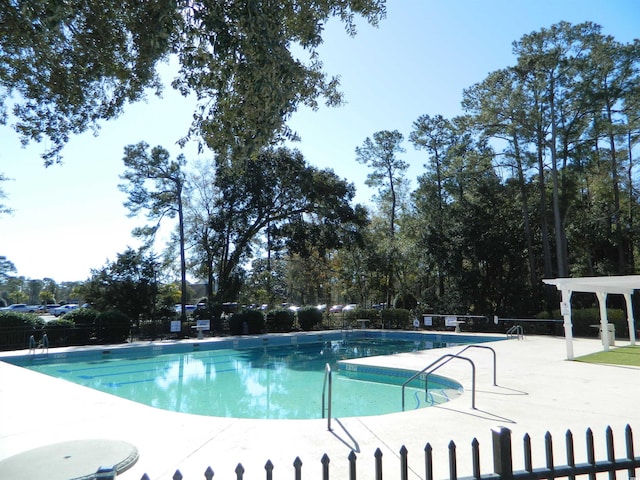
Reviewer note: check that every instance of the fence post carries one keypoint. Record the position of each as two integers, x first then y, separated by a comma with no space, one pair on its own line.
548,448
526,444
378,457
571,458
269,469
628,435
428,462
475,453
453,466
297,465
502,458
352,465
611,456
239,471
591,454
325,466
404,463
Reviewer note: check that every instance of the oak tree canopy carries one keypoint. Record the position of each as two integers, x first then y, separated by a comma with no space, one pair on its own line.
66,65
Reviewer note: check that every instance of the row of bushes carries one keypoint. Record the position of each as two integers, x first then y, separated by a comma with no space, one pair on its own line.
584,319
310,318
279,320
78,327
87,326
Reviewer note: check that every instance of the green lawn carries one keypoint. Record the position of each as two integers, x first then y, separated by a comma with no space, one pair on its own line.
617,356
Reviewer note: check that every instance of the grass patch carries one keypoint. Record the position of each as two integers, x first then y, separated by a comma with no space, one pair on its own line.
629,356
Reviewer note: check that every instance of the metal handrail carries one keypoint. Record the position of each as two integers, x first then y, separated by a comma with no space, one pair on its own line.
516,330
473,377
450,357
495,359
327,380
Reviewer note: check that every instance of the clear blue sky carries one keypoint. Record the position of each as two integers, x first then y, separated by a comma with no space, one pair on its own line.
69,218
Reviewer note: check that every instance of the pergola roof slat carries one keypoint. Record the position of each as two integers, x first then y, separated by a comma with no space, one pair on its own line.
615,284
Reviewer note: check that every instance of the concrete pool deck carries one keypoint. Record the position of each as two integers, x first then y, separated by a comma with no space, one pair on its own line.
537,391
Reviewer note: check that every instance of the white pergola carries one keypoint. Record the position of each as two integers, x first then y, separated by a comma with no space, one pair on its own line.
601,286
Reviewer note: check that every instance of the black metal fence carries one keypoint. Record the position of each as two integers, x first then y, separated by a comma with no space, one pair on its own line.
502,461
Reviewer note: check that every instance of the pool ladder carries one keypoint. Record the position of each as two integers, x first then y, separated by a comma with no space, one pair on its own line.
516,331
443,360
326,392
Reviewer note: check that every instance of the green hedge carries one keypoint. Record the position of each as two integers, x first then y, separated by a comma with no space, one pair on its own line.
16,328
583,319
309,317
395,317
280,320
375,320
247,322
61,332
84,320
112,326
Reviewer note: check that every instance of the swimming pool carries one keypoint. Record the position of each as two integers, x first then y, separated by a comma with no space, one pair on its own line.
261,377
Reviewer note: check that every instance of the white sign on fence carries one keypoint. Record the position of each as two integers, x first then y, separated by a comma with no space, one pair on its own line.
428,321
451,321
203,324
175,326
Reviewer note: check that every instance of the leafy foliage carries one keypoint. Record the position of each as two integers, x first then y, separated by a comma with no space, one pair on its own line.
163,200
62,332
75,63
296,206
127,284
68,65
280,320
112,326
247,321
18,319
309,317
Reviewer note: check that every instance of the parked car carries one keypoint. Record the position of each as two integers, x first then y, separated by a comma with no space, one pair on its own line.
21,307
351,306
51,307
335,309
188,309
63,309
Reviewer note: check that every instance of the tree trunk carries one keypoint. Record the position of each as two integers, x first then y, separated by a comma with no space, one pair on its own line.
533,273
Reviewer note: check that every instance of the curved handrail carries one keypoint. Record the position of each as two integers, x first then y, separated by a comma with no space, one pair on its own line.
450,357
327,381
473,377
495,359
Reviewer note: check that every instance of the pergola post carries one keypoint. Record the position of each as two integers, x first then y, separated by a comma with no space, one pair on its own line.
630,322
565,309
604,321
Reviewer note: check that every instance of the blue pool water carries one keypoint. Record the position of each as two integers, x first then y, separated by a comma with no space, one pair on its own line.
268,381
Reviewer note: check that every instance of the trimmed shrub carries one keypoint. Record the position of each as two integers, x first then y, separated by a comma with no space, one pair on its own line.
112,326
247,322
61,332
373,315
16,328
395,317
583,319
309,317
85,322
280,320
405,301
